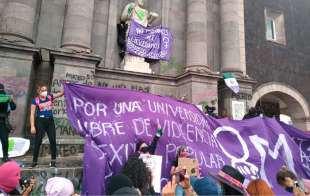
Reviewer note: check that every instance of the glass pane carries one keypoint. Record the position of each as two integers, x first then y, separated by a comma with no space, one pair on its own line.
269,29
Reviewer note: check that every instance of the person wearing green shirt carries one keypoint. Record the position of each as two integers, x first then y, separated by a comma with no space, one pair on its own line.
6,105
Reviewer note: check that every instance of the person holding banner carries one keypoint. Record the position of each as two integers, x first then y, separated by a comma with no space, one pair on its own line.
181,153
6,105
143,148
41,121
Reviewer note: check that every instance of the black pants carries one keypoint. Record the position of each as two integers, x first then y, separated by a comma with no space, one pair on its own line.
4,136
44,125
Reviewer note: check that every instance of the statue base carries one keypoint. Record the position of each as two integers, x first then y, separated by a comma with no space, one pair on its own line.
136,64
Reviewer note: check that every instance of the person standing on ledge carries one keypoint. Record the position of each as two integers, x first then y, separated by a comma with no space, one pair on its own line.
6,105
41,121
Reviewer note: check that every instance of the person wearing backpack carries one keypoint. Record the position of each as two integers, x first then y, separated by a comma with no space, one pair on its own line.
41,121
6,105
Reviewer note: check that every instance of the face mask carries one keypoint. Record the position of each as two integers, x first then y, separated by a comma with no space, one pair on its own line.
289,189
44,94
184,154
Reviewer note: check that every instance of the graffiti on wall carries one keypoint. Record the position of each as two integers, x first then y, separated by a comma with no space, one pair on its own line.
17,86
81,76
135,87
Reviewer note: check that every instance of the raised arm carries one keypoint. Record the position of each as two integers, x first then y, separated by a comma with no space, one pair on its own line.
151,17
57,95
32,113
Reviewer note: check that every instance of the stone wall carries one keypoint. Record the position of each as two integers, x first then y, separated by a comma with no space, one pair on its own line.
106,15
269,61
73,68
15,73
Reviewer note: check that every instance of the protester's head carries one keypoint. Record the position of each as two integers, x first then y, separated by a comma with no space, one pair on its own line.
59,186
42,90
140,2
207,186
118,182
231,180
9,176
182,152
285,176
138,173
259,187
141,146
1,88
127,191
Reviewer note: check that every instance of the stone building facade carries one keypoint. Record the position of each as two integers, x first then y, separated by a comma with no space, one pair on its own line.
280,63
76,40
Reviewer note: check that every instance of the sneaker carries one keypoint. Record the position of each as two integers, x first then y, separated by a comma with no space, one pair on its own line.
53,164
33,165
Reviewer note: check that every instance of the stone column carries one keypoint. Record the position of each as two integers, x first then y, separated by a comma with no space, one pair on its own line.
17,20
2,5
196,50
78,25
111,54
232,36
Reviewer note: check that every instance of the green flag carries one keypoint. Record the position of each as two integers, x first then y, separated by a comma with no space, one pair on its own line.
231,82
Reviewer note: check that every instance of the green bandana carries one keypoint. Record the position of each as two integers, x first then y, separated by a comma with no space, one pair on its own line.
140,14
4,98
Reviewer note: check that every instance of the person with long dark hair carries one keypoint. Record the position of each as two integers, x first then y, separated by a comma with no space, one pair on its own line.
41,121
135,169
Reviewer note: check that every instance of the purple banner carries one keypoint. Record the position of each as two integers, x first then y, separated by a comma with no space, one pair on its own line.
111,121
149,42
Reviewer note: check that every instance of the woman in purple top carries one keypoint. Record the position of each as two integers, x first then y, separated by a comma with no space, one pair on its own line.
41,121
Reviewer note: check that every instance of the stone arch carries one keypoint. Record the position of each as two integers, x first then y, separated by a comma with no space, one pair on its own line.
293,102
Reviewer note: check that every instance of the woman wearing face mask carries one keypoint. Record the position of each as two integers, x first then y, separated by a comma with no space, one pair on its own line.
181,153
41,121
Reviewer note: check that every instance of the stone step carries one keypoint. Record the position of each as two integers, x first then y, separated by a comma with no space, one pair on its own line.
65,147
68,161
42,174
70,167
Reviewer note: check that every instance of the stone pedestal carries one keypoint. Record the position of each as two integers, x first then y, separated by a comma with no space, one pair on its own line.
234,105
198,88
68,167
136,64
17,20
75,68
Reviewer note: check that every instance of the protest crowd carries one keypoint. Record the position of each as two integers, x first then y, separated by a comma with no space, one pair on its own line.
134,178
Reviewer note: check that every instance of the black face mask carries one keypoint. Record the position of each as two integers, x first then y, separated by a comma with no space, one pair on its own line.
144,149
289,189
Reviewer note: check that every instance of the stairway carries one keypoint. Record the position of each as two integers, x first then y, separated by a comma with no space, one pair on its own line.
70,167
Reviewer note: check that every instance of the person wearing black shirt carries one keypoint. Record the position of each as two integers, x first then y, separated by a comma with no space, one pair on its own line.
6,105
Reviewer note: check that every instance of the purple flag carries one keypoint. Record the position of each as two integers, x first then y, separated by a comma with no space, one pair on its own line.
111,121
149,42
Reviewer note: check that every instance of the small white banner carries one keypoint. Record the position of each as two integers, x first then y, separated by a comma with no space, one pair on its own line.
17,147
154,162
